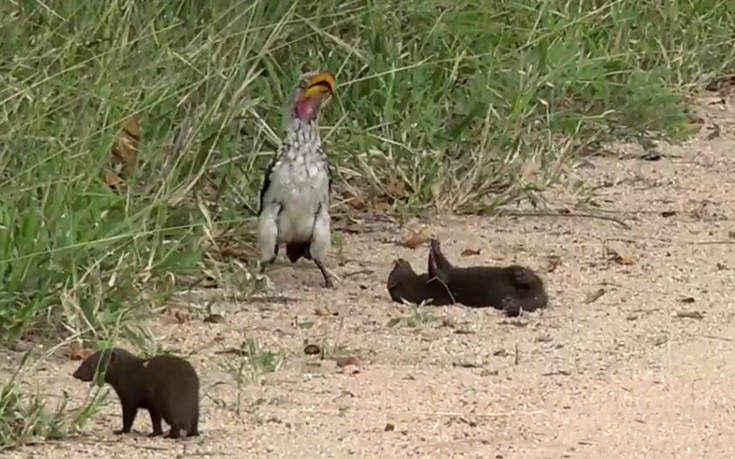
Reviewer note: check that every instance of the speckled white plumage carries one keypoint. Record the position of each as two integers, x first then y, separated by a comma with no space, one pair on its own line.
297,196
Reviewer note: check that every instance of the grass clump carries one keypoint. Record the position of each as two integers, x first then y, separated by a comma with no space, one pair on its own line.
250,366
26,418
417,317
441,104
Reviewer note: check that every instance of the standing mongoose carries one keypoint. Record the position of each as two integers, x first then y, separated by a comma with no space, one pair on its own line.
165,385
294,198
511,289
405,284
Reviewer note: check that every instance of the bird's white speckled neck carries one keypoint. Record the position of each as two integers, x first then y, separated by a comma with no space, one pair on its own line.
302,139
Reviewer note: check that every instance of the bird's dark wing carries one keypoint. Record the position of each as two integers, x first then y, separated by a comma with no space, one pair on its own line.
329,176
267,180
327,167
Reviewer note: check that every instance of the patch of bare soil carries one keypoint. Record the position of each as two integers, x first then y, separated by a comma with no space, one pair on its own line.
633,358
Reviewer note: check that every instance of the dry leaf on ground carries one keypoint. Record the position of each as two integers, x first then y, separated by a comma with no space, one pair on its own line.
233,251
181,317
554,262
345,361
312,349
114,181
75,351
124,155
615,257
324,312
396,187
125,150
382,207
415,238
594,296
356,203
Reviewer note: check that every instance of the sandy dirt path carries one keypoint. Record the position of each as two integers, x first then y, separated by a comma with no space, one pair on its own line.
617,377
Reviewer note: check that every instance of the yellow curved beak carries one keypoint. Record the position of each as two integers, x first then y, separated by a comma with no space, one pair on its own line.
320,84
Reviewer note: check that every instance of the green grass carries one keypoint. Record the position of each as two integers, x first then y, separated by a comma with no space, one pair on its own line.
417,317
441,105
251,366
26,418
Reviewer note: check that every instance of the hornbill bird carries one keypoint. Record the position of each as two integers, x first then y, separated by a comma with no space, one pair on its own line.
294,199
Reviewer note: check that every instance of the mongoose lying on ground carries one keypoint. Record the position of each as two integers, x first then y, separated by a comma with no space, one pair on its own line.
511,289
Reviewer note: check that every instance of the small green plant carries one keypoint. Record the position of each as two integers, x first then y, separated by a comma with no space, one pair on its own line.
250,366
26,418
420,315
329,344
90,406
263,361
338,241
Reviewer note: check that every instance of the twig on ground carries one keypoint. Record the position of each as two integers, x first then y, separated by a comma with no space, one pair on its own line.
721,338
514,213
670,241
689,315
427,413
359,271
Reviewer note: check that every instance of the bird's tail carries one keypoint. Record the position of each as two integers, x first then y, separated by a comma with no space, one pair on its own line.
296,250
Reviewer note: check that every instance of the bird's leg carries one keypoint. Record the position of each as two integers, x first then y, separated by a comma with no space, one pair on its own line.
320,242
264,263
327,279
267,235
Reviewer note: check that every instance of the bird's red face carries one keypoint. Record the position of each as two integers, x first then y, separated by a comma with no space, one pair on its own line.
313,89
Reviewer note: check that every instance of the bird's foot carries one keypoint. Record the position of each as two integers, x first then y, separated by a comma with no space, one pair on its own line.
327,278
264,264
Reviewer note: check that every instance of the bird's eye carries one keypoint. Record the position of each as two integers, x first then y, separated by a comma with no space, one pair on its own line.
303,84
